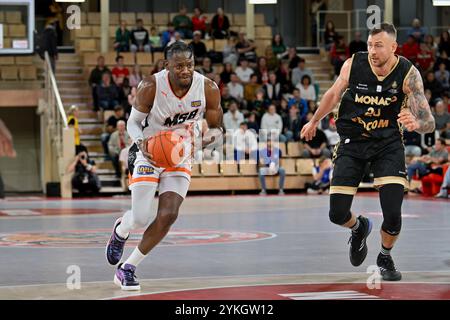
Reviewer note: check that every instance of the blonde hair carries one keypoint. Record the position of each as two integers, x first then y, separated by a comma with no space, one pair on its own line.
72,109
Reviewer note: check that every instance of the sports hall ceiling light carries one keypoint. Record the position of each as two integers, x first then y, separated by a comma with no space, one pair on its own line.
262,1
441,3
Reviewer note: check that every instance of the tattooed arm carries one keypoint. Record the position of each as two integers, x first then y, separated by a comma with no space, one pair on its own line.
418,117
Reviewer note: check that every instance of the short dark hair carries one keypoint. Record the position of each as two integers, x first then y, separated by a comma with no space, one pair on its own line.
118,108
442,140
139,20
384,27
118,57
176,48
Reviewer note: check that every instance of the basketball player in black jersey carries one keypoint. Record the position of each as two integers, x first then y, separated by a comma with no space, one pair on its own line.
379,94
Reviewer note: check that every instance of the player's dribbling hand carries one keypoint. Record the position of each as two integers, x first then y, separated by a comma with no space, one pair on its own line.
309,130
408,120
145,153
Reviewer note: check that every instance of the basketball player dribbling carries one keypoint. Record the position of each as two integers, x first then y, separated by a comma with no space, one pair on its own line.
172,99
378,92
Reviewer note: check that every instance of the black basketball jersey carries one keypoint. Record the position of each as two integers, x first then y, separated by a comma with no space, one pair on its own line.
370,106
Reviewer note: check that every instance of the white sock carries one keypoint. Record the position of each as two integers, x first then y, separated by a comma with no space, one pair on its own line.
120,232
135,258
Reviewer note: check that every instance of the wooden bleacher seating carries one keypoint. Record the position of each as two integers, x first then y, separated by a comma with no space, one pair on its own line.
147,17
27,73
90,58
209,44
289,165
219,44
84,32
129,17
282,147
7,43
112,32
110,58
210,169
114,19
146,70
93,18
172,15
144,58
2,17
238,19
304,166
263,32
23,60
261,46
294,149
196,170
9,73
88,45
248,169
6,60
17,30
259,19
128,58
161,19
13,17
96,32
158,56
229,169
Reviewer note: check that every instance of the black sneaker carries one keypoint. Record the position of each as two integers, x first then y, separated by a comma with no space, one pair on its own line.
358,246
387,268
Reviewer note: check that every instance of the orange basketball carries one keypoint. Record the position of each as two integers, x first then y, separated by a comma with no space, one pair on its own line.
166,149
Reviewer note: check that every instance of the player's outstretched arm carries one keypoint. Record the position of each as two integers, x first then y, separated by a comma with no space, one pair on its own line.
145,96
329,100
418,117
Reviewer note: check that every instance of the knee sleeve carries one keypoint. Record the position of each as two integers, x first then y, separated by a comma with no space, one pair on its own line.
340,208
140,214
391,198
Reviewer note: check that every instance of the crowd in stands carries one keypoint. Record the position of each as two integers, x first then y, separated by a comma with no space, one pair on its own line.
275,92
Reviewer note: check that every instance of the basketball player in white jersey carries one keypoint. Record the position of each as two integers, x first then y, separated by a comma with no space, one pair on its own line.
173,99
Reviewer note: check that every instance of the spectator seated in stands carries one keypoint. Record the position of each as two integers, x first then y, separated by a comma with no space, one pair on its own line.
292,125
72,122
233,118
111,125
95,79
444,43
317,147
278,47
168,35
176,38
123,163
245,144
226,99
252,122
140,38
236,89
331,134
442,75
442,119
183,24
272,125
135,76
293,58
262,71
230,53
84,178
119,72
322,176
417,31
357,45
210,152
339,53
272,89
123,36
206,67
155,40
246,48
244,71
124,91
199,21
422,166
425,59
412,143
330,35
199,47
299,71
220,25
107,93
272,61
410,49
258,104
251,88
116,143
445,187
307,90
433,85
269,161
298,101
225,75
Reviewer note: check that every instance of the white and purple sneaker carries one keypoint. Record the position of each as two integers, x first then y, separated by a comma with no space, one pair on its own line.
114,248
125,278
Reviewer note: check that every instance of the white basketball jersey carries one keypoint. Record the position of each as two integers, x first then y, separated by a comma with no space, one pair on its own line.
170,112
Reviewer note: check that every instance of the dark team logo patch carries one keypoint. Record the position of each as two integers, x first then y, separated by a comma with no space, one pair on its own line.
99,237
196,104
145,170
